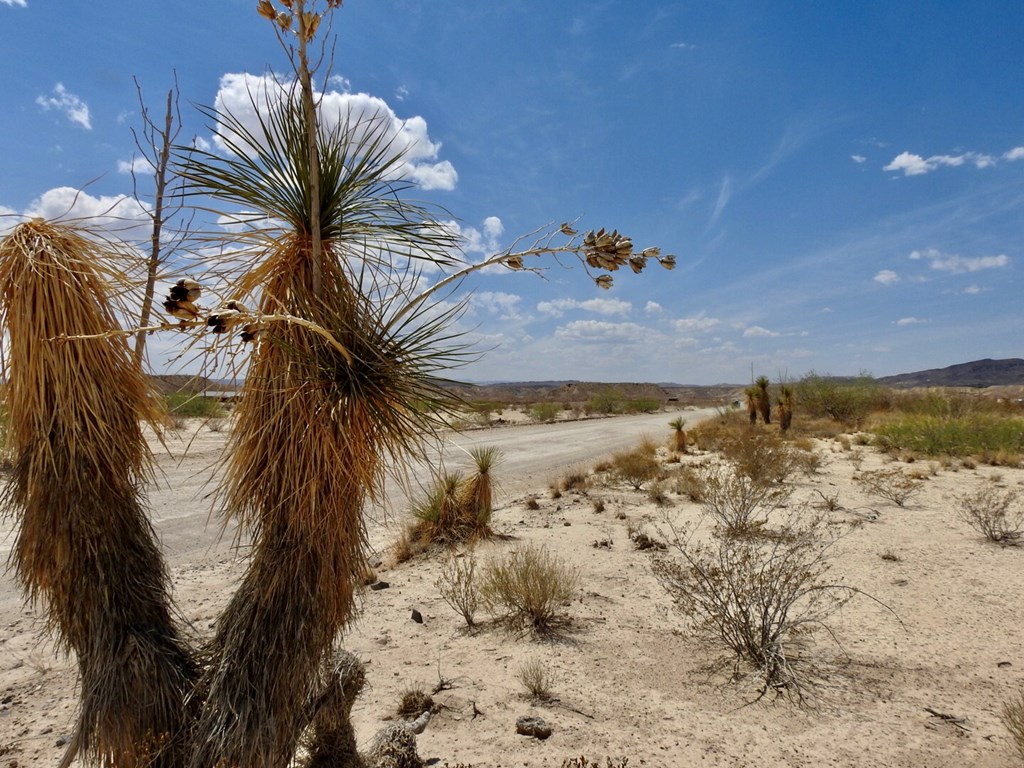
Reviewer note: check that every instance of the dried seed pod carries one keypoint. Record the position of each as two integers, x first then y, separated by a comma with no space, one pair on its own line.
651,253
668,262
514,262
603,281
181,309
637,264
250,331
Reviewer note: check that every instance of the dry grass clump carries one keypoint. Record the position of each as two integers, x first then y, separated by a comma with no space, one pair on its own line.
636,467
458,587
761,598
891,484
1012,716
687,482
679,441
575,480
413,702
528,587
994,513
536,681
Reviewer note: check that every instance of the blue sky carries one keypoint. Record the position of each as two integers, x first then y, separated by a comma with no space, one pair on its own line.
842,183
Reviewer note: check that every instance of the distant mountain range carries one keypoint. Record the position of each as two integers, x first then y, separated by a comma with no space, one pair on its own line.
979,373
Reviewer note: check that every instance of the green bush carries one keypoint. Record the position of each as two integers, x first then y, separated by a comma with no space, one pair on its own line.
607,402
643,405
545,411
848,401
185,406
934,436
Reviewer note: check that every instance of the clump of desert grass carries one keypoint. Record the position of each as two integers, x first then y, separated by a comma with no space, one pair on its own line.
457,509
85,550
679,442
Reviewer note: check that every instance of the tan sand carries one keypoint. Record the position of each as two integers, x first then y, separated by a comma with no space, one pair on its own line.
630,679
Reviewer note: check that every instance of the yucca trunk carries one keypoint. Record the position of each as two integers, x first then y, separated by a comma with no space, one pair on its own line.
85,549
305,453
751,395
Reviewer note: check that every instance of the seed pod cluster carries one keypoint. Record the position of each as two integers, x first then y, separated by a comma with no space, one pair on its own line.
180,301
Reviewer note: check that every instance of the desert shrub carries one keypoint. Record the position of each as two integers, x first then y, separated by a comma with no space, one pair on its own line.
847,401
536,681
992,512
978,434
598,505
185,406
527,587
635,467
686,481
1012,716
575,480
413,702
457,509
736,502
762,456
891,484
657,493
606,402
545,411
458,588
532,504
760,597
711,434
642,405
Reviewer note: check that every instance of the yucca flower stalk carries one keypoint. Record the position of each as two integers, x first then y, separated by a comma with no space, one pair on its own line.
85,549
318,423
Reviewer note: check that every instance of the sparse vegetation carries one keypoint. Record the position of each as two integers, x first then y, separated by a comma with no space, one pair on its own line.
536,681
528,587
762,598
993,512
991,437
735,501
186,406
545,412
846,401
636,467
414,702
892,484
678,425
458,587
1012,716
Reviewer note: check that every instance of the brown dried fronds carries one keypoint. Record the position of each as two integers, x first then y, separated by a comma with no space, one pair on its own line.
84,547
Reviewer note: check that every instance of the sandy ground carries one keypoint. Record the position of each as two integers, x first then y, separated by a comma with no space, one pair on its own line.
630,679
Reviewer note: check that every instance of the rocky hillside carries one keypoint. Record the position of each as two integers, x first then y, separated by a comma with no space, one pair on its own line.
979,373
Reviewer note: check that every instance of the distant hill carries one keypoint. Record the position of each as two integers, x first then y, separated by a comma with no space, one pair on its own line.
979,373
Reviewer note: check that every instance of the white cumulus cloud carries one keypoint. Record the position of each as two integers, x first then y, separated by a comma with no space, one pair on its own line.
242,95
1017,153
559,307
15,3
757,332
915,165
909,321
600,331
62,100
886,277
858,159
504,305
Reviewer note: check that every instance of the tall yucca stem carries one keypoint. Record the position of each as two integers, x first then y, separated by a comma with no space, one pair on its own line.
84,548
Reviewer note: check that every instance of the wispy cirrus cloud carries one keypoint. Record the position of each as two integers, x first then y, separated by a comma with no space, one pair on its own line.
62,100
15,3
904,321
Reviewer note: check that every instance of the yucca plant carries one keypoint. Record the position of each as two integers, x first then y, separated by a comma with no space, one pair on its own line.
319,413
763,399
85,549
678,425
751,396
478,490
785,408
